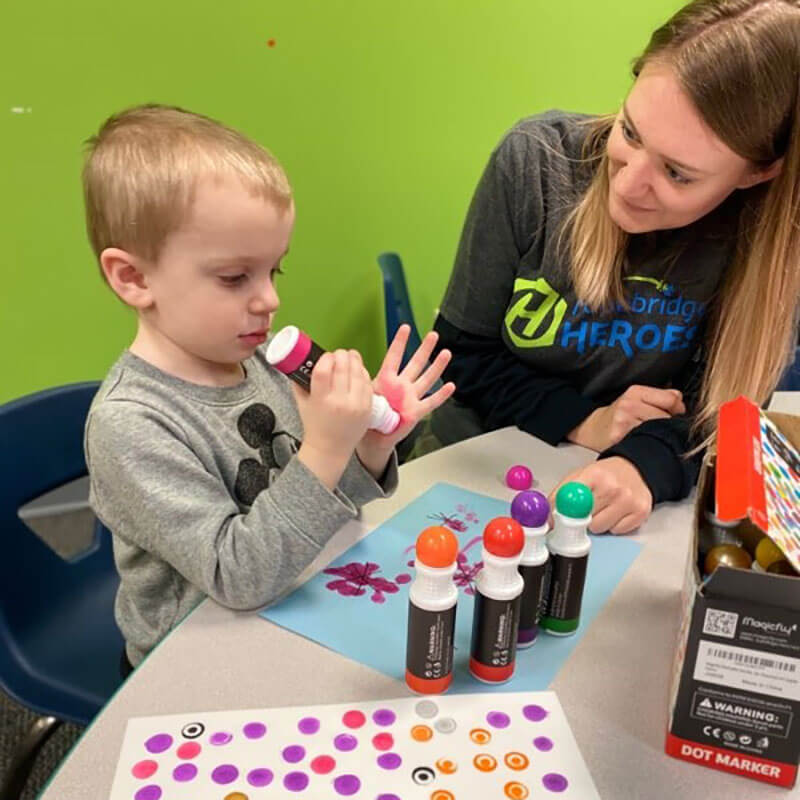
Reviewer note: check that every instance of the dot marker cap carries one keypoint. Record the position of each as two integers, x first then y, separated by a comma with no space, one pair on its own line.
530,509
437,547
574,500
503,537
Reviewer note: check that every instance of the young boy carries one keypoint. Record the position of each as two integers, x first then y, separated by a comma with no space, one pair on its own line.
216,476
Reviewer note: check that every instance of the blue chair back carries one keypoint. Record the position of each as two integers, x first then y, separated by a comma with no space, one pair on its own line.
59,645
396,301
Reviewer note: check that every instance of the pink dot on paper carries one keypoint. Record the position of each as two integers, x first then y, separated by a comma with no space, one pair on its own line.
383,741
254,730
158,743
151,792
353,719
322,765
144,769
188,750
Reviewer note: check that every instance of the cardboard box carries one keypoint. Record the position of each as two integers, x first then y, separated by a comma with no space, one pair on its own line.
734,702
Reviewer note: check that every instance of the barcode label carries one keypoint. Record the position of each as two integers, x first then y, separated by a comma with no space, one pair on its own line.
750,670
755,661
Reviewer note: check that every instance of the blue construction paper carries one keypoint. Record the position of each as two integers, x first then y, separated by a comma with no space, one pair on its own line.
371,626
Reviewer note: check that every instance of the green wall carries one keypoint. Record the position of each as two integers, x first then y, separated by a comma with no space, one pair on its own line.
382,113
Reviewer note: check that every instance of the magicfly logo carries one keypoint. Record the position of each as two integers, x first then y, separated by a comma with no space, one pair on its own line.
770,627
541,319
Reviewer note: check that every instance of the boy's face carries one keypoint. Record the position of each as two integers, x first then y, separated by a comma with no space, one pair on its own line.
213,287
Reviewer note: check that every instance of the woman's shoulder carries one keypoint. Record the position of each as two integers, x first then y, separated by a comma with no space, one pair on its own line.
554,131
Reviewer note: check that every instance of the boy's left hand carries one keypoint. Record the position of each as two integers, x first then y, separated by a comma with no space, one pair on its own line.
405,390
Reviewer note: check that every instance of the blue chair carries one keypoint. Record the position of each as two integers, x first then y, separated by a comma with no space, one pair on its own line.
59,645
396,302
790,382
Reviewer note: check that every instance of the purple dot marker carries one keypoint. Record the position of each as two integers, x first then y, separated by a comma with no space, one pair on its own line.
554,782
158,743
220,738
543,743
184,772
260,777
151,792
295,781
384,717
294,753
530,509
225,773
347,784
308,725
534,713
345,742
389,761
254,730
497,719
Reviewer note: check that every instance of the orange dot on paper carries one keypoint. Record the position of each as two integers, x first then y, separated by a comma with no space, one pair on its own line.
480,736
446,766
270,43
442,794
484,762
515,790
421,733
517,761
236,796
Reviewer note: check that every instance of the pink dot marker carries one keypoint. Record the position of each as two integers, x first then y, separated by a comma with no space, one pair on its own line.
519,478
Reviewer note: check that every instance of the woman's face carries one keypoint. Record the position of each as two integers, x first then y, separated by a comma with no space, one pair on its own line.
666,166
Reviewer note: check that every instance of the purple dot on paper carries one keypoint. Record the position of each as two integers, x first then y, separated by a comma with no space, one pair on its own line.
184,772
347,784
387,797
308,725
158,743
389,761
345,742
534,713
497,719
296,781
554,782
220,737
225,773
151,792
294,753
260,777
543,743
384,716
404,577
254,730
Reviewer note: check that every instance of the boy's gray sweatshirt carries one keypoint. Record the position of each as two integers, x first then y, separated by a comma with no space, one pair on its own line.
203,494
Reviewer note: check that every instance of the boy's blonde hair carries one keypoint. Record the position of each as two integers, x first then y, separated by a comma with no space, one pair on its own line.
143,166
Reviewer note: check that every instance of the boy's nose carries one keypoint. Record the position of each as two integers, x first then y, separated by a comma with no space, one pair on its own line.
266,300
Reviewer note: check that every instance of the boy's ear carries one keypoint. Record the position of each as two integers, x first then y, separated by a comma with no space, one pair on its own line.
125,276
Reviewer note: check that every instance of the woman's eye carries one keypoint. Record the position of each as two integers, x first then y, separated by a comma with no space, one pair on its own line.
626,131
676,176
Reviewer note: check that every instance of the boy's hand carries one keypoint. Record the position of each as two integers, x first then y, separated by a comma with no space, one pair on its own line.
405,390
608,425
622,500
335,413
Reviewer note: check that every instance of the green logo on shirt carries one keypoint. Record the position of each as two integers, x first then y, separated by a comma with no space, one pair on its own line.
550,302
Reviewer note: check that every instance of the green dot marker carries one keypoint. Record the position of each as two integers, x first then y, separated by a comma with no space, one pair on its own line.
575,500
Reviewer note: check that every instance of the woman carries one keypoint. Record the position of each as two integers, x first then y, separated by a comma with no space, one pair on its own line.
619,278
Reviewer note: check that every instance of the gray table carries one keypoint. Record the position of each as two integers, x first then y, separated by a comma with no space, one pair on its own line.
613,687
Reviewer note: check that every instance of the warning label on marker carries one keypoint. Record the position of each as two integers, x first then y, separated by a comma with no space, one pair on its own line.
751,716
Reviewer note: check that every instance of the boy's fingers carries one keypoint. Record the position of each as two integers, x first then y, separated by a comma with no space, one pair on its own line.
322,374
419,360
340,382
433,373
394,355
436,399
